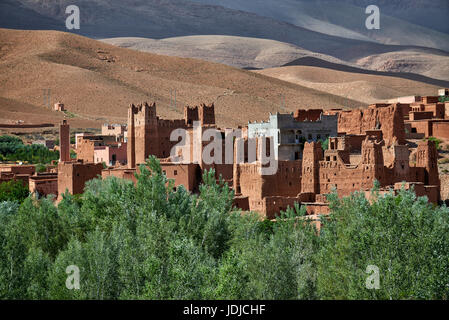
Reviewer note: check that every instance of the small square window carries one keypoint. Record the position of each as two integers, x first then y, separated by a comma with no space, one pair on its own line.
175,172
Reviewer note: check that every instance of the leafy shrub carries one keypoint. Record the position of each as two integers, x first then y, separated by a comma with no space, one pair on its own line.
150,241
13,191
436,141
13,149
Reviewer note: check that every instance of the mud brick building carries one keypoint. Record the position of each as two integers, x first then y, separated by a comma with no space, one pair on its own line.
44,184
352,163
365,145
58,106
290,131
117,130
188,174
16,172
73,175
101,148
428,118
150,135
389,118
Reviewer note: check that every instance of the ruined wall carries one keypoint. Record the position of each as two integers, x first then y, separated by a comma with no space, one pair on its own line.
347,178
380,116
44,184
309,115
273,205
426,157
286,182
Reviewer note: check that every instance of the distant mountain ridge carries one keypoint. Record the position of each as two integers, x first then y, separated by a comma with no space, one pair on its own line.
421,23
331,30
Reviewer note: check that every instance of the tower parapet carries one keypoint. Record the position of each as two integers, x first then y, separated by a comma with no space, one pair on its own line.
207,114
190,115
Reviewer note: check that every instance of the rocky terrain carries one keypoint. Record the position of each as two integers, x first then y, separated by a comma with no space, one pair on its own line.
97,82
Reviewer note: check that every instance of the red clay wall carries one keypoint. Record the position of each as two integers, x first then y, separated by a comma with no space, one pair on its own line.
85,150
388,118
44,185
188,175
440,129
74,175
310,114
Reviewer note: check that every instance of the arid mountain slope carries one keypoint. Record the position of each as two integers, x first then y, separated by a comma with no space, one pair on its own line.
346,18
366,88
97,81
256,53
240,52
158,19
413,61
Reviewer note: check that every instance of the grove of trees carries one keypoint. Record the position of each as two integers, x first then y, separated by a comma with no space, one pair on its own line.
13,149
151,241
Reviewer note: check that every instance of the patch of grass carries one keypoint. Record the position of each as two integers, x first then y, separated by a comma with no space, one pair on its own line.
70,114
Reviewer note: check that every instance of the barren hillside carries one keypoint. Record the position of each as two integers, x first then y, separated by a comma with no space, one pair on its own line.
403,22
366,88
97,81
240,52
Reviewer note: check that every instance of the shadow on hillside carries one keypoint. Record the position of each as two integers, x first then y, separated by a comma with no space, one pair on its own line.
315,62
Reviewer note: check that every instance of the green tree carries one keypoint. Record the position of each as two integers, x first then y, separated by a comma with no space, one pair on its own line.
13,190
405,237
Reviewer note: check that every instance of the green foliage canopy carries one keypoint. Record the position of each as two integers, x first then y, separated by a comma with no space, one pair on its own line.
152,241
